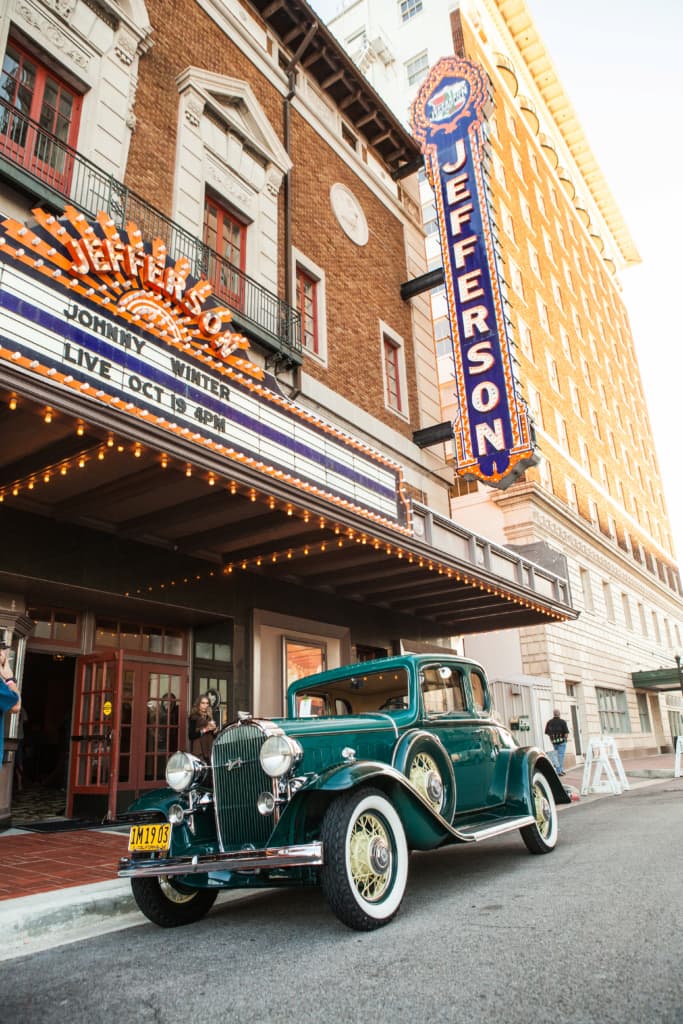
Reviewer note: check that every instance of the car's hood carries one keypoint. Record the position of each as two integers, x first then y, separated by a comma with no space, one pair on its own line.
328,741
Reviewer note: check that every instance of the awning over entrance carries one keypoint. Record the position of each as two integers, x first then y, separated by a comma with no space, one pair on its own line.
131,411
204,523
659,680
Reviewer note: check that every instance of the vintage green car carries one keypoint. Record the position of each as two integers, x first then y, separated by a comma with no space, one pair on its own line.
372,761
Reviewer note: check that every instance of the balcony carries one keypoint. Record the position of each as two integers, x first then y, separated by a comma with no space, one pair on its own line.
37,162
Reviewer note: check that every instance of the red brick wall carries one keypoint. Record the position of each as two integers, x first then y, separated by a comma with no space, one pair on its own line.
362,283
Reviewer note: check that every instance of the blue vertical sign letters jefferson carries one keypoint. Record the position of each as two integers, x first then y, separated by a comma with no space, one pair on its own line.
493,436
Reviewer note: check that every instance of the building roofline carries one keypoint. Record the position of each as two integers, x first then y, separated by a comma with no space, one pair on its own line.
321,55
526,37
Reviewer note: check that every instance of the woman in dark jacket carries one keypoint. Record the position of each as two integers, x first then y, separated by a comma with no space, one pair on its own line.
201,728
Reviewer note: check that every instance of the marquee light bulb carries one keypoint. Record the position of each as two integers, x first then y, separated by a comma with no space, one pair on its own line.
12,404
47,416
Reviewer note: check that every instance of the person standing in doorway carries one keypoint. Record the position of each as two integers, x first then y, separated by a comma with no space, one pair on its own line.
202,728
558,731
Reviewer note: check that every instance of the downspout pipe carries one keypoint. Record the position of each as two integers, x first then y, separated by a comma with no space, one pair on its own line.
290,71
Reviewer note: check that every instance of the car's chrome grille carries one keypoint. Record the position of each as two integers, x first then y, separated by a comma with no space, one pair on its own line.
238,779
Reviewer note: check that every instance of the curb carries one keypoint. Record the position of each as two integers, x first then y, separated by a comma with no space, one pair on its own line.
30,923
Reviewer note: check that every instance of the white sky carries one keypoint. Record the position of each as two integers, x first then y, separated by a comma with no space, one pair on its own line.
620,64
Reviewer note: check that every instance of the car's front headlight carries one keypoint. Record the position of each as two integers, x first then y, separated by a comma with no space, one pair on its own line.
184,770
279,754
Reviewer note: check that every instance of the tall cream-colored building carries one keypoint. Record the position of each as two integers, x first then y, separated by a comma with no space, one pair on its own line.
596,495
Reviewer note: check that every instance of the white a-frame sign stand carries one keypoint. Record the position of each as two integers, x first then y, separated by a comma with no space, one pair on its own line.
603,771
677,758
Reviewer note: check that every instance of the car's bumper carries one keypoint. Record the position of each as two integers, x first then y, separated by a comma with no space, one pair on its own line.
308,855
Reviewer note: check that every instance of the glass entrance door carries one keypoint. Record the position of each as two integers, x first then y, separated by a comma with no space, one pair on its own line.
129,718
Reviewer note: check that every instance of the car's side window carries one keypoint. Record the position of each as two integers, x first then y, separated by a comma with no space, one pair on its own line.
442,690
478,691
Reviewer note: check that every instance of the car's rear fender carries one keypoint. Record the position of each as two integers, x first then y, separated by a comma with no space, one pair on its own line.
523,764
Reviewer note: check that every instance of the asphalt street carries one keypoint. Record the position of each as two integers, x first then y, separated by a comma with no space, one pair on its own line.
589,933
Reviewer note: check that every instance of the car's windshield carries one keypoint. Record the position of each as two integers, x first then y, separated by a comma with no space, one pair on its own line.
356,694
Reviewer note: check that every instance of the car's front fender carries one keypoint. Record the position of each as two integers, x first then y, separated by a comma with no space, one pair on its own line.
425,829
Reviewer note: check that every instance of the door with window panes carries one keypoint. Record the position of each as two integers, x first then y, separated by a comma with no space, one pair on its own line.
226,237
152,720
212,670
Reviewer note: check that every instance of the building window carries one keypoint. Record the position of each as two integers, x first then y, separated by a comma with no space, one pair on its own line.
394,371
33,93
557,293
308,282
612,710
55,626
566,345
417,68
533,260
574,396
226,236
586,589
562,437
572,499
409,8
525,340
642,620
552,373
593,513
545,475
543,313
607,597
626,608
508,225
307,304
535,406
643,712
347,135
655,627
516,279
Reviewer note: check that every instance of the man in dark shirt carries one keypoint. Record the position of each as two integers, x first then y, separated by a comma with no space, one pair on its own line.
558,731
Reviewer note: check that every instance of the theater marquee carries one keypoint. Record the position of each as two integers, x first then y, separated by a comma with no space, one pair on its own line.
114,318
493,436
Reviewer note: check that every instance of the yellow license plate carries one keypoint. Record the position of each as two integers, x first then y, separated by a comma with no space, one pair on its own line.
150,837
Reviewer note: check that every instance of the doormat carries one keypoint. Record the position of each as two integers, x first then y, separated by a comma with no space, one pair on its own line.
58,825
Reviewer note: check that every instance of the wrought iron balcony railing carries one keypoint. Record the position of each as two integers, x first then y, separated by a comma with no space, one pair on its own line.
52,170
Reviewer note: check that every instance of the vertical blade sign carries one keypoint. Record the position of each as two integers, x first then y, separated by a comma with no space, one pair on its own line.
494,439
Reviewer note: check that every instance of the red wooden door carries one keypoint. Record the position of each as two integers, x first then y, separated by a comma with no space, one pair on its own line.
95,737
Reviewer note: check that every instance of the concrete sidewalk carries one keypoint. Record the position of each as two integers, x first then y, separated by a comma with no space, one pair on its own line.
62,914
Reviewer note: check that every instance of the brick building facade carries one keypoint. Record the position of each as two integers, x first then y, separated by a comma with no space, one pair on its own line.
212,486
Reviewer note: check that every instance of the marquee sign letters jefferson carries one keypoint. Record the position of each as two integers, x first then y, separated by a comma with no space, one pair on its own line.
493,436
90,309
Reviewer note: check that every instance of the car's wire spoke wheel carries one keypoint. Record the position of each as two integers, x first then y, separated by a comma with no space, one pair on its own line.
425,776
169,903
370,856
366,859
541,837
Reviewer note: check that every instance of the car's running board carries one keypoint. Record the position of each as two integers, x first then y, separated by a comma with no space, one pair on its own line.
486,830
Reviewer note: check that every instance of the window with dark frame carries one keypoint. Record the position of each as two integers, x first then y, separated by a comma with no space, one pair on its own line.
307,305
